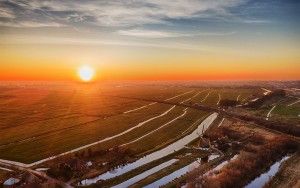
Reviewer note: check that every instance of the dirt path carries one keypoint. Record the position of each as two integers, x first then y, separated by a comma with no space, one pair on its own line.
205,97
219,99
37,173
221,122
238,97
191,97
139,108
6,169
173,120
297,101
266,91
269,113
145,106
179,95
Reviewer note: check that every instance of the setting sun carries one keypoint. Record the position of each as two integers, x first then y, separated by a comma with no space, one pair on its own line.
90,86
86,73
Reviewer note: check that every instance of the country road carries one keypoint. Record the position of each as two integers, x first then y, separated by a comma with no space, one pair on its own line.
39,174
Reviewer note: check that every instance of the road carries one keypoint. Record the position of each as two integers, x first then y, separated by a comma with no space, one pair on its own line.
39,174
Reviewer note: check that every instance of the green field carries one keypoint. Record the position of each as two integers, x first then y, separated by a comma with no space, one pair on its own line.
38,122
54,121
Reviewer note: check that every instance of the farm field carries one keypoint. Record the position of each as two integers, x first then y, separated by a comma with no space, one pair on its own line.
67,125
70,120
149,94
284,109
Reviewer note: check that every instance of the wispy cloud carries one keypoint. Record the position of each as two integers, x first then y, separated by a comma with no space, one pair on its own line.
166,34
150,33
6,13
108,13
85,41
29,24
255,21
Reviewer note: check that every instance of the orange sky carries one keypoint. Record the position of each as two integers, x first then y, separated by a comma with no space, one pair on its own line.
59,62
203,68
127,44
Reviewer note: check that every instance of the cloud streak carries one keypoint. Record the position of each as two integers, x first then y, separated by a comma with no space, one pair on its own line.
165,34
97,42
108,13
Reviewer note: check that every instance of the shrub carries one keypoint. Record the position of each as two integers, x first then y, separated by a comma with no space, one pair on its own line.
249,164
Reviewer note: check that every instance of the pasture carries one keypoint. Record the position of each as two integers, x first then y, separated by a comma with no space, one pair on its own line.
52,121
40,121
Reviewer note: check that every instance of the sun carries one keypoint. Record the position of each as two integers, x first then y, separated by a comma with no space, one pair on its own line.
86,73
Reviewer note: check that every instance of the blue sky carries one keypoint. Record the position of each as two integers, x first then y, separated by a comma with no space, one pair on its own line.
151,18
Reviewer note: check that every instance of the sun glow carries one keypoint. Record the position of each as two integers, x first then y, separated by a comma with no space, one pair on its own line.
86,73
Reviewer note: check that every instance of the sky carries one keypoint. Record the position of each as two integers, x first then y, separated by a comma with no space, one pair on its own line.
150,39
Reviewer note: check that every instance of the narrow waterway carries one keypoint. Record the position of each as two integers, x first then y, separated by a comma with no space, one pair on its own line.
265,177
178,173
218,167
176,146
143,175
